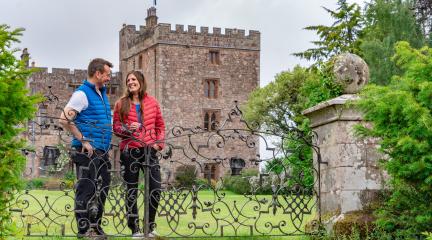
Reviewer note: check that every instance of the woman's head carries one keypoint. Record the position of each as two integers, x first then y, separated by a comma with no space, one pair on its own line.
135,84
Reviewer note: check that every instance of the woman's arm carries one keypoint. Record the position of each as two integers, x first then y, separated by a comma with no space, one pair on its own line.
160,128
119,128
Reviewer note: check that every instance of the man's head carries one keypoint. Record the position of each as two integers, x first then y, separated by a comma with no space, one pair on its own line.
99,71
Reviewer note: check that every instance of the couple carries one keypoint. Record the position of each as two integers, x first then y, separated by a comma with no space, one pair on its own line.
137,121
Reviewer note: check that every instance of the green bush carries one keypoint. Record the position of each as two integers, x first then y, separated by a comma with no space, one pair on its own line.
35,183
241,185
17,107
401,114
185,176
203,183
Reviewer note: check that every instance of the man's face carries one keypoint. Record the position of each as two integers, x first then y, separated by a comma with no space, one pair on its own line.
105,76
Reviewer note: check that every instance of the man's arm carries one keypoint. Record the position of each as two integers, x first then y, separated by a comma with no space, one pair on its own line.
67,117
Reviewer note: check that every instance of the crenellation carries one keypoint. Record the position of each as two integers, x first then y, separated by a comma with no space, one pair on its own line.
41,69
179,28
64,71
142,28
204,30
254,34
217,31
164,28
241,33
228,32
191,29
80,72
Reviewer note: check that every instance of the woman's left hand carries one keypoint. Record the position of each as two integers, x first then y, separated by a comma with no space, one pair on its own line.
157,147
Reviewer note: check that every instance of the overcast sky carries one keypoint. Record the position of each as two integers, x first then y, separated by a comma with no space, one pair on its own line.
68,33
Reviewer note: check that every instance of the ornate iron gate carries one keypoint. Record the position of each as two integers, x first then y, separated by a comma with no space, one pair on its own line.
283,199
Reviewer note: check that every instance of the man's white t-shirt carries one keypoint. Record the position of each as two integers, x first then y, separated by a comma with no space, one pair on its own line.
78,101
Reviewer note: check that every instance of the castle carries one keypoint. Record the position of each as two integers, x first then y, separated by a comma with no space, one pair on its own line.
195,75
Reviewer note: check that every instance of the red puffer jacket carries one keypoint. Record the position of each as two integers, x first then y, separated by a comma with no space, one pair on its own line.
152,130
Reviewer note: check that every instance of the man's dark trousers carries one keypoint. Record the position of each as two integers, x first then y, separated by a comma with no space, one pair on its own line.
93,180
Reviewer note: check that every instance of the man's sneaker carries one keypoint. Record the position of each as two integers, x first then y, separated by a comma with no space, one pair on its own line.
83,235
137,235
97,234
153,234
99,231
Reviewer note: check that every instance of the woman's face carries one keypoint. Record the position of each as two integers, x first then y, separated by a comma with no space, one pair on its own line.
133,84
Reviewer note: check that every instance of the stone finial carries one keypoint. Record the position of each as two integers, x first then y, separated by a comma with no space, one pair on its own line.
351,72
25,56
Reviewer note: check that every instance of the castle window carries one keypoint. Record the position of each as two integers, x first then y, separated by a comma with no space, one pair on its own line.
211,119
50,155
214,57
211,88
42,114
140,62
111,89
73,86
210,171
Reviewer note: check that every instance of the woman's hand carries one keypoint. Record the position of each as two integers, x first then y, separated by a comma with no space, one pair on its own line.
134,126
157,147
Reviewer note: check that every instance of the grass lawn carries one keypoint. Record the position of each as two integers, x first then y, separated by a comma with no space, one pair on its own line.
44,212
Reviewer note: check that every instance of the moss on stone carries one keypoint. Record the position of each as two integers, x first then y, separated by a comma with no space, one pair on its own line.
361,222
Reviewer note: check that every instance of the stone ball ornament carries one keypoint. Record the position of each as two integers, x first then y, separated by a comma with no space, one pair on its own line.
351,71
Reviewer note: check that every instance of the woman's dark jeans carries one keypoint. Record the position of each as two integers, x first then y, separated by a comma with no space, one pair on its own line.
133,161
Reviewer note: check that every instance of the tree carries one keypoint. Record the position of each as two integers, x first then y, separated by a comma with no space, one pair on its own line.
276,108
401,114
387,22
341,36
16,107
423,10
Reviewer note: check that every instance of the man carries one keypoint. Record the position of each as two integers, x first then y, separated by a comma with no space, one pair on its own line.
87,116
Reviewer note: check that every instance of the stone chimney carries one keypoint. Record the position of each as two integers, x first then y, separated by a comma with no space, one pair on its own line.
151,20
25,56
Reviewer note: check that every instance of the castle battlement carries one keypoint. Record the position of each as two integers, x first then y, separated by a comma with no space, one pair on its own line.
165,28
216,31
61,71
73,73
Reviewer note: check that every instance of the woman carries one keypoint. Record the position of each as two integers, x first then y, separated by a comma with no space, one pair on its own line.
138,121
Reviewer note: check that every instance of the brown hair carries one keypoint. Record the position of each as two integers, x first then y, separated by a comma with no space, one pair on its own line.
125,101
97,64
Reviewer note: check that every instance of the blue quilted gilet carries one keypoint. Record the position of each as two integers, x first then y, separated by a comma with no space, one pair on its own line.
95,121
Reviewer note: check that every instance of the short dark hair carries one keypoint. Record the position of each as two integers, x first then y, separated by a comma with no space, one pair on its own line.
97,64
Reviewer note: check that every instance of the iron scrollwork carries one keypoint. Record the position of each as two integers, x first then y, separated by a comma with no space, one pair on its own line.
278,202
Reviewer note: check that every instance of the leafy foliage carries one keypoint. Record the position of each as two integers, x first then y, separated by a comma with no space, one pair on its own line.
15,108
402,119
241,184
185,175
277,107
387,22
341,36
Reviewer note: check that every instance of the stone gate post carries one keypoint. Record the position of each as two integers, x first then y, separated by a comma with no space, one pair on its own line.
350,178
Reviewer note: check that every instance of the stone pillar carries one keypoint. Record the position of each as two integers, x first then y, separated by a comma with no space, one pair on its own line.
349,174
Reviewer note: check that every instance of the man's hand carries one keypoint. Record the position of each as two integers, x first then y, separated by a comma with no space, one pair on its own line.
86,146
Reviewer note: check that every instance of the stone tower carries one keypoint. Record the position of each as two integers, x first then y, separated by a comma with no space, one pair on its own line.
195,76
